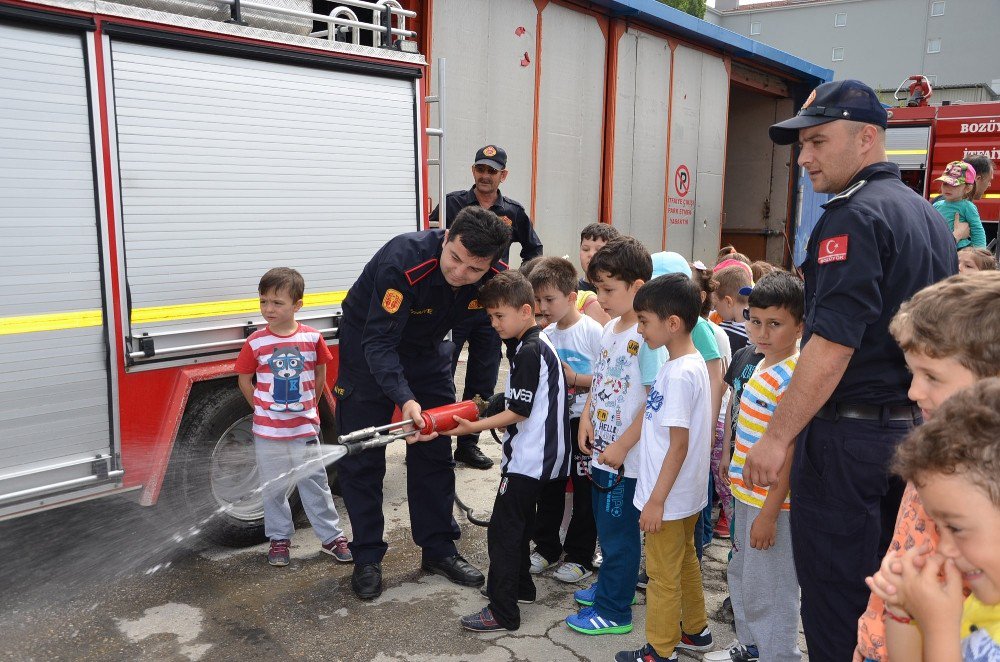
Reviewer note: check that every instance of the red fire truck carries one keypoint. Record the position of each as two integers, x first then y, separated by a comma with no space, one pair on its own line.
924,139
157,156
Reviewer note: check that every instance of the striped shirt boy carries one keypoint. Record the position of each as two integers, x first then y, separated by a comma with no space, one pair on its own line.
284,399
757,403
538,447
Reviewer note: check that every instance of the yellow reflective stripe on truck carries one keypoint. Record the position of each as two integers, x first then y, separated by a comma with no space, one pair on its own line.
74,319
218,308
902,152
78,319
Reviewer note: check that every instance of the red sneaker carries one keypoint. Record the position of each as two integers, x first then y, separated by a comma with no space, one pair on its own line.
338,549
721,529
278,553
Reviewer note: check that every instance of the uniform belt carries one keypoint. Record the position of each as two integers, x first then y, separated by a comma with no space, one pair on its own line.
831,411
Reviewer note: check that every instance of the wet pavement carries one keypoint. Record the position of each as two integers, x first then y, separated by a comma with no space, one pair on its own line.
102,581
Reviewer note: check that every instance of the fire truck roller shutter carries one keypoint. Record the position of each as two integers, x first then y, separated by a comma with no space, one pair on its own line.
55,425
230,166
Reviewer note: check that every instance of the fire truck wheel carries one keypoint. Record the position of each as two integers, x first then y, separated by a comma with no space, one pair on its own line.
214,467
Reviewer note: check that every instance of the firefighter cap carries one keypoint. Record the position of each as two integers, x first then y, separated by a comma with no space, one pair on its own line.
849,100
492,156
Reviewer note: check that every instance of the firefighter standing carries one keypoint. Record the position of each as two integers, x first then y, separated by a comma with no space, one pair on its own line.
489,171
393,354
876,245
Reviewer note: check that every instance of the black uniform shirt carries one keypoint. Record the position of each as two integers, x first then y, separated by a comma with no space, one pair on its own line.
877,244
509,211
402,305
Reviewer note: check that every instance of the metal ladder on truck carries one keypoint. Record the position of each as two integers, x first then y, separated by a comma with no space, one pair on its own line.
438,132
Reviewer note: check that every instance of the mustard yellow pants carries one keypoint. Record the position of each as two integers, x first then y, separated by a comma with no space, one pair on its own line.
675,596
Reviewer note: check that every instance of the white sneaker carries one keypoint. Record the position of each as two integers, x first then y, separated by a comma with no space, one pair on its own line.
571,573
538,563
721,656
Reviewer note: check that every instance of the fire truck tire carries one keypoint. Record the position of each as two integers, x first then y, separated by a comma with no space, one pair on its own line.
214,466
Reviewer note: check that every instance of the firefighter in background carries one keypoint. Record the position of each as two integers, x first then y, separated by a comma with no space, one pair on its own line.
393,354
489,171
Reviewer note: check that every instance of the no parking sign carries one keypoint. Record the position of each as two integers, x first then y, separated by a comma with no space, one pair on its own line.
682,180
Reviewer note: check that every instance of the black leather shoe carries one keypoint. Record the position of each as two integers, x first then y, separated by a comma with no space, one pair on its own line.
473,457
366,582
456,569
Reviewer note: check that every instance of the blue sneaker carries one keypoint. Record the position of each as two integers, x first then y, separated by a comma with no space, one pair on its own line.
645,654
481,621
588,621
586,596
701,642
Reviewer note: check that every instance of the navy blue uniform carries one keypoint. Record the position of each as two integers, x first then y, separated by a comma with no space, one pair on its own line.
484,343
876,245
392,349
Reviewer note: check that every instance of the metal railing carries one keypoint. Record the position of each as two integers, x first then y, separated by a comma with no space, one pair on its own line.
342,19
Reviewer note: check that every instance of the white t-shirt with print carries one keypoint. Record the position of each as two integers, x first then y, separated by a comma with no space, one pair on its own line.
680,398
624,366
578,347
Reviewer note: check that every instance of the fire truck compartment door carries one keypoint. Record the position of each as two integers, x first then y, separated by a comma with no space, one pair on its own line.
55,422
230,166
907,146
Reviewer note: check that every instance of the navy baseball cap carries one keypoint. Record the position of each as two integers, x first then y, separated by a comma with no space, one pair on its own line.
839,100
492,156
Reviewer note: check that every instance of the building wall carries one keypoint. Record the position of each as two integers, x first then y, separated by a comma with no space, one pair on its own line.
884,41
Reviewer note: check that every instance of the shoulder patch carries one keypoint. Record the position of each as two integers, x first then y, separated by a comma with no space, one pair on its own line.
416,274
847,193
832,249
507,221
392,300
475,305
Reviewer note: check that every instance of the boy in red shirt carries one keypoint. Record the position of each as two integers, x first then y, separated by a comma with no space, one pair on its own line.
289,360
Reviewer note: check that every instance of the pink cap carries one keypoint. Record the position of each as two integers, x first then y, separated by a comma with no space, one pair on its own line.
730,262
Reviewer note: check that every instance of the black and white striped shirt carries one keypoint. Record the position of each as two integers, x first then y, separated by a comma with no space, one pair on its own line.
539,446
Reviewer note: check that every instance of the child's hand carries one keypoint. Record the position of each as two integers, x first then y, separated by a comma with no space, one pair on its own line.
763,531
613,456
651,517
585,436
464,427
890,574
935,603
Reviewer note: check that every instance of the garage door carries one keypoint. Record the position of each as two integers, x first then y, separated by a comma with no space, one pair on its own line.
230,166
55,430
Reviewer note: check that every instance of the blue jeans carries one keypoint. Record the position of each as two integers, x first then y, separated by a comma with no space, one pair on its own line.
617,522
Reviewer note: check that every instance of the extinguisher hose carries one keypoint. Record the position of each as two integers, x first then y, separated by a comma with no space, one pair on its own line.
470,514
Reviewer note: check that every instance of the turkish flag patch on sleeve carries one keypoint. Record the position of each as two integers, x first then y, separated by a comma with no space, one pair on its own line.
832,249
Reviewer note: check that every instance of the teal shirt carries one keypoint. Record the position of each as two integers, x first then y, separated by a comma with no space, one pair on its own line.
966,212
704,341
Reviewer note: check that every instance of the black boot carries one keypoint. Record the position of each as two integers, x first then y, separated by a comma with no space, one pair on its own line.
471,455
366,582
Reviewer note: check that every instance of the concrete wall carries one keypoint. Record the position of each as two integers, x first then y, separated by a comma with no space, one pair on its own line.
884,41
